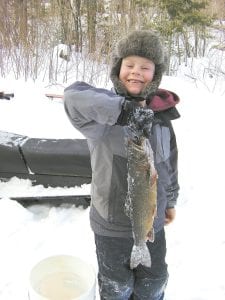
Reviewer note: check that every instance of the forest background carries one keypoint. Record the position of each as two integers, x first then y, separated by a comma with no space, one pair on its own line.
32,33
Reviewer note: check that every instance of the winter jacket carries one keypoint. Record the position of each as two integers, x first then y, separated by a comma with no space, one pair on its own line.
94,112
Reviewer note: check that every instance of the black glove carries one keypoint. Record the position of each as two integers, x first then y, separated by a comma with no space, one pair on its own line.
140,122
129,106
126,112
139,119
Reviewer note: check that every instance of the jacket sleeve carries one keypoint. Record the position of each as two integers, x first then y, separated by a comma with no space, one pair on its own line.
173,187
92,110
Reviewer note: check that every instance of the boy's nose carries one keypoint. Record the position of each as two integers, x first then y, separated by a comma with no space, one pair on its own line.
135,71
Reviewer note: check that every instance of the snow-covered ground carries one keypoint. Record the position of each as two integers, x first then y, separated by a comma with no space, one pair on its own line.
196,239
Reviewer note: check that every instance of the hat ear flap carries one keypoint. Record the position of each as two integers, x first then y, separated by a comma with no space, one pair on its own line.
114,76
153,86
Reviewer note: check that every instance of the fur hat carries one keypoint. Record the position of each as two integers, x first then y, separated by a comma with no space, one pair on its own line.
143,43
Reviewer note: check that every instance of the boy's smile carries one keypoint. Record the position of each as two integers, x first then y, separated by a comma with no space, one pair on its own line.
136,73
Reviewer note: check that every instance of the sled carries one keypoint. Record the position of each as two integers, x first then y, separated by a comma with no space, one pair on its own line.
76,200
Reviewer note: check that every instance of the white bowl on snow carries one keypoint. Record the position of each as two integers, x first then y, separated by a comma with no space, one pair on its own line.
62,277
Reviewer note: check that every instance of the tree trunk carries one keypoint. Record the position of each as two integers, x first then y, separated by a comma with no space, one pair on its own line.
91,22
77,25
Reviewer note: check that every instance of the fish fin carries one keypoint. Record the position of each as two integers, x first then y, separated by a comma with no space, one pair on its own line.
140,255
127,207
127,210
151,235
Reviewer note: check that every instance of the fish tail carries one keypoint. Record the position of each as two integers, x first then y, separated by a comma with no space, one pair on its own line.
140,255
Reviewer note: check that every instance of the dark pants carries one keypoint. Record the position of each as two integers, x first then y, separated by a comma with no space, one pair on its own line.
118,282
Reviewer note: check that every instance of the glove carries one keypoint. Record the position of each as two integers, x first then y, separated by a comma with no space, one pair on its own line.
126,112
139,119
140,122
129,106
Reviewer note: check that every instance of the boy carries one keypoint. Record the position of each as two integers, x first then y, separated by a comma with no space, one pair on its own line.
138,63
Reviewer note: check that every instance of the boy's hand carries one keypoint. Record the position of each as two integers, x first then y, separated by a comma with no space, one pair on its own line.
137,116
140,121
170,215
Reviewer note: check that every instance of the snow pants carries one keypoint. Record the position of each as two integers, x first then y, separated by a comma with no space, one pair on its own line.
118,282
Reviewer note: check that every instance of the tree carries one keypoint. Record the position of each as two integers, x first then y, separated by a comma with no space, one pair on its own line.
182,22
91,6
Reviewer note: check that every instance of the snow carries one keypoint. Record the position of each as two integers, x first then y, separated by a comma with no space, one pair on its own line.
196,239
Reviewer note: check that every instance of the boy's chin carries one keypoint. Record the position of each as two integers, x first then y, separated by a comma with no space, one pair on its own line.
134,92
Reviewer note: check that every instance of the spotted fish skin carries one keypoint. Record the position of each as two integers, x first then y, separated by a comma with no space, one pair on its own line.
141,200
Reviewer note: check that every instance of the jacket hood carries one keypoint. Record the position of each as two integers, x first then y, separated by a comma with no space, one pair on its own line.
165,100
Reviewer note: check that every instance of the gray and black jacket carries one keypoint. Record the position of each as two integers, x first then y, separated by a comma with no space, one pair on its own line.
94,112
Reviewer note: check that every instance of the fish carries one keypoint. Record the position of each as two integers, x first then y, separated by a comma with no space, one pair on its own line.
141,201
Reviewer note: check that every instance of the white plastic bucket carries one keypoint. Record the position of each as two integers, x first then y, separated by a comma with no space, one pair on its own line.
62,277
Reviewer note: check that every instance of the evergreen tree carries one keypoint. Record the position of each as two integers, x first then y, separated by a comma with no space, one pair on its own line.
184,25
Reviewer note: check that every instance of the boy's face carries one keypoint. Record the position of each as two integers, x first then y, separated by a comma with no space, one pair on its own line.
136,73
